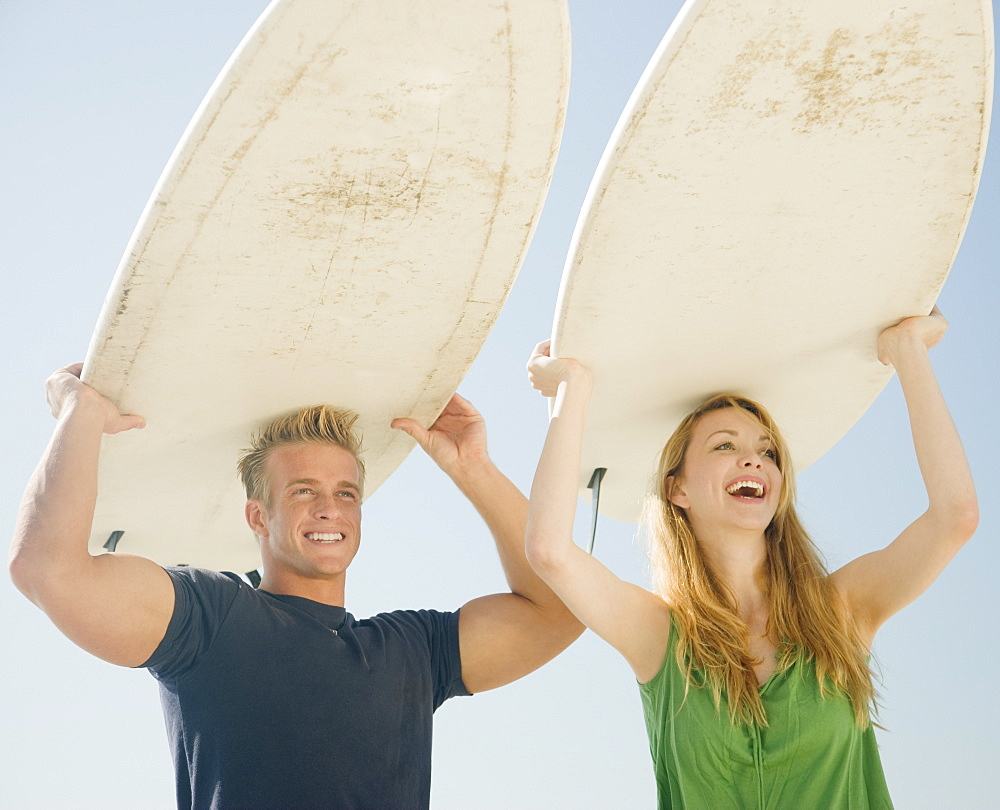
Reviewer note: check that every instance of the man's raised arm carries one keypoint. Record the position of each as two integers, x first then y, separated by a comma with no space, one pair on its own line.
115,606
505,636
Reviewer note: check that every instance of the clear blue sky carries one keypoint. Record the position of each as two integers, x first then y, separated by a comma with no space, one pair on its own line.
94,98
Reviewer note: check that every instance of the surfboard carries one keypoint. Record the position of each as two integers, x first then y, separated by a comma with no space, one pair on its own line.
341,222
786,180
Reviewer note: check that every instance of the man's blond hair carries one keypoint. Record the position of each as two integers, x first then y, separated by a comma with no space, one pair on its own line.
316,424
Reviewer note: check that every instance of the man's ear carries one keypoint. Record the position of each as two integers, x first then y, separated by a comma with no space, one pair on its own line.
256,514
675,492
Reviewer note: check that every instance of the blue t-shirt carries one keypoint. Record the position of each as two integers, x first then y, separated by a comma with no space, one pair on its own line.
278,701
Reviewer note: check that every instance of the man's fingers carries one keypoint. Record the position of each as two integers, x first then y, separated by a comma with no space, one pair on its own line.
459,404
411,428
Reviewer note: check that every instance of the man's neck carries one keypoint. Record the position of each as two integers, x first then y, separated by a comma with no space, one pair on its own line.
326,591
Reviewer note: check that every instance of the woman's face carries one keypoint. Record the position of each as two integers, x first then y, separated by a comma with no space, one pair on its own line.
730,477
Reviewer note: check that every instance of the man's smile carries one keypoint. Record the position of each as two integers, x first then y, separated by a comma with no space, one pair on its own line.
324,537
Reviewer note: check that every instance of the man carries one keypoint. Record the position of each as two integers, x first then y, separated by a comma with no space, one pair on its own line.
278,697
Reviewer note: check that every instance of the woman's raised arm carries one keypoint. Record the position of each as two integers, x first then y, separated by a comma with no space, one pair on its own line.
630,618
877,585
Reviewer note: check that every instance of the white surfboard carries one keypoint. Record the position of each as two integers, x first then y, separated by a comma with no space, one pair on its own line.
341,222
787,179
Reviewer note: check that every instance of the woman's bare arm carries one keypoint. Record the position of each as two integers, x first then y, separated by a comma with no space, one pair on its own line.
631,619
877,585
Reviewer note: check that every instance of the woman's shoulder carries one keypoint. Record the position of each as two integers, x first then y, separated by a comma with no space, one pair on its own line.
653,625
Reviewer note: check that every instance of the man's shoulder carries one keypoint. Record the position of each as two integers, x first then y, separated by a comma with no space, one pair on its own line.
205,601
420,615
428,636
204,591
205,577
426,623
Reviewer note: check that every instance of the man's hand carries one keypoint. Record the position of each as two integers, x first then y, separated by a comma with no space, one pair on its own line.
455,440
64,389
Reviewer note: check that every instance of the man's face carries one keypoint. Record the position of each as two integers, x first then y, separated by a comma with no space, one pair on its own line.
311,529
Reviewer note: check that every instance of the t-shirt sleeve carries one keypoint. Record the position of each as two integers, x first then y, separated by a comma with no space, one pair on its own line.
446,659
202,600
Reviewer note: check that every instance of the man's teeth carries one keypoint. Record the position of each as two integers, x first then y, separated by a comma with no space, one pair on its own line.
748,489
325,537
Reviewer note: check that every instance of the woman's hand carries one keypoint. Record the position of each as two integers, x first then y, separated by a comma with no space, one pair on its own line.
546,372
923,331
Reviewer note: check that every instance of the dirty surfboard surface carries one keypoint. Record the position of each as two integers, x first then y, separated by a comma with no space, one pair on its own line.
786,180
341,222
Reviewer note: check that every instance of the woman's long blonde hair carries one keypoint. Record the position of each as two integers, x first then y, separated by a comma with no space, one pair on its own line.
805,617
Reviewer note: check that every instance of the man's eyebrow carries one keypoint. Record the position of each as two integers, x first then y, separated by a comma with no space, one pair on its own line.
301,481
314,482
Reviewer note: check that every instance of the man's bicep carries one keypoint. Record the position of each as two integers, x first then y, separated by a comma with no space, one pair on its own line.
504,637
117,608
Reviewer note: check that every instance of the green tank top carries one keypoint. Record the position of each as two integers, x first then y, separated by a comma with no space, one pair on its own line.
812,755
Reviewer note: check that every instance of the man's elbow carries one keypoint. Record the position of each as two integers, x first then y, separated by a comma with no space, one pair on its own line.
32,575
23,572
555,623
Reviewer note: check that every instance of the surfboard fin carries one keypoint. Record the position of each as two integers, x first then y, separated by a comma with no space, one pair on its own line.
595,484
254,577
112,542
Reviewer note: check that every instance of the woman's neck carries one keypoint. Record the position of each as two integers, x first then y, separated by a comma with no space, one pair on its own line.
738,560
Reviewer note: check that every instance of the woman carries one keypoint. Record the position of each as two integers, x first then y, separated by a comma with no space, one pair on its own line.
752,660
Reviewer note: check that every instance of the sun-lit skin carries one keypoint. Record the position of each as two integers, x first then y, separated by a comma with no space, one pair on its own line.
729,447
310,530
728,457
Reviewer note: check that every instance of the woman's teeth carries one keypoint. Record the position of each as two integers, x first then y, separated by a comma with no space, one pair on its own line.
747,489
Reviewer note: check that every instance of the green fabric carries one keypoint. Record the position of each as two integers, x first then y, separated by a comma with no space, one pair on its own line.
812,755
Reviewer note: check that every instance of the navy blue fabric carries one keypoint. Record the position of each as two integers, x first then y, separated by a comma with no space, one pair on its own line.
278,701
